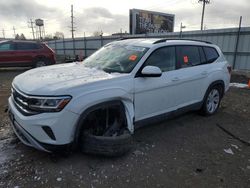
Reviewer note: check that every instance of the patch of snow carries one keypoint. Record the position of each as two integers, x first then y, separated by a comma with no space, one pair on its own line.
58,179
229,151
238,85
137,153
235,146
7,151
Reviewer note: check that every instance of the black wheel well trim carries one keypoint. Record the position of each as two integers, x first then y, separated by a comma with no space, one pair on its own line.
217,82
39,57
84,114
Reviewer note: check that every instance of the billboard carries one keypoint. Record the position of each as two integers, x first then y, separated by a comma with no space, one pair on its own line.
143,21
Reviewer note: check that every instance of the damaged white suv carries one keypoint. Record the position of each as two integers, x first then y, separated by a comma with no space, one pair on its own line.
97,104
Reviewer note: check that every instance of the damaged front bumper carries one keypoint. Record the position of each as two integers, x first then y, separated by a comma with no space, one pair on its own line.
24,136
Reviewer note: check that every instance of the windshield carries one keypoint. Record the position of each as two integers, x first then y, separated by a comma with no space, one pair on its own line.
116,58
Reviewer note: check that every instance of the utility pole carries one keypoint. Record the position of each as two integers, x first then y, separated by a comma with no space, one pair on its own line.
32,27
237,43
3,31
14,30
73,28
182,27
72,22
204,2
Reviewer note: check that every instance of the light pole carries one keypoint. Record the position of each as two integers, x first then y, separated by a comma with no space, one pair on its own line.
181,27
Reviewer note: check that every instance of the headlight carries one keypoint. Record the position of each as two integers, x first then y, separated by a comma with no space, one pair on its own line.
48,104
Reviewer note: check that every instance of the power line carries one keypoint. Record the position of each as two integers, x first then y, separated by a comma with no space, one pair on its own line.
204,2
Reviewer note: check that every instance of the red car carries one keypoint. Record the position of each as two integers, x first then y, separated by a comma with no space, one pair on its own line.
15,53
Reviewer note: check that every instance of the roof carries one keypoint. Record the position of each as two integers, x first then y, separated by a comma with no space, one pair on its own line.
27,41
149,42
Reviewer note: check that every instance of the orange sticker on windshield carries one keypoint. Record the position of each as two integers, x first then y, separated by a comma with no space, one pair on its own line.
132,57
185,59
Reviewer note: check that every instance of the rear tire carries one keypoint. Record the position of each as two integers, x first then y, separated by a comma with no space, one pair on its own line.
40,63
212,100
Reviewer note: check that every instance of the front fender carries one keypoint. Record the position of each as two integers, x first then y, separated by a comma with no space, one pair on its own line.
81,104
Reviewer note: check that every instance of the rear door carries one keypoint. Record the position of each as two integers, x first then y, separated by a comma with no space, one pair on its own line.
7,55
191,75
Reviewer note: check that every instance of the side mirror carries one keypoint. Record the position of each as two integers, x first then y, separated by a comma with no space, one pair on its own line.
151,71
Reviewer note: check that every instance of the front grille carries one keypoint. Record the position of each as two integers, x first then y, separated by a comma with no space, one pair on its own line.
21,102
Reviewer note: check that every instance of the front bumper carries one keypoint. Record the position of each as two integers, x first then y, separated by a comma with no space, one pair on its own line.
29,129
24,136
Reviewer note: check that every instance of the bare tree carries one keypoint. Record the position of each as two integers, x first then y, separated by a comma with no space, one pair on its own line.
58,35
97,33
20,37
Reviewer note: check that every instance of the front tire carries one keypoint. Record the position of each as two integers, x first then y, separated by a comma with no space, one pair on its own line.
212,101
107,146
105,131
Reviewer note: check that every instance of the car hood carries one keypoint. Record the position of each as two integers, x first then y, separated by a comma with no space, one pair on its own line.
58,79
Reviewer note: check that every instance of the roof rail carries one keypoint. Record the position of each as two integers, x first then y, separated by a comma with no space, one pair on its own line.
125,38
165,40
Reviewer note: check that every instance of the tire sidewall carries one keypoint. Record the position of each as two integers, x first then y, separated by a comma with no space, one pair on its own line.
40,60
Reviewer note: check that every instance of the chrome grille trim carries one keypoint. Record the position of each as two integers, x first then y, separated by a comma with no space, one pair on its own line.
21,102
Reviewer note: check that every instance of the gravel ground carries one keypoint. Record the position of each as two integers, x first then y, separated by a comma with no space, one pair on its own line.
188,151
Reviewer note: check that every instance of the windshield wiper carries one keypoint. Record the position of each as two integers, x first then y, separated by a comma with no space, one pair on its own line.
110,70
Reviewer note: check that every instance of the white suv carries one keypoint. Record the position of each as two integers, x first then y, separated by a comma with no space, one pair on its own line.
97,104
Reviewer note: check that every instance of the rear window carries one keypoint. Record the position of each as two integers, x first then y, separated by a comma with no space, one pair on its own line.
211,54
27,46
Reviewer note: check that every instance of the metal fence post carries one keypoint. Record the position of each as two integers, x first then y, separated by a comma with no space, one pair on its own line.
64,53
55,46
85,46
237,44
101,41
74,48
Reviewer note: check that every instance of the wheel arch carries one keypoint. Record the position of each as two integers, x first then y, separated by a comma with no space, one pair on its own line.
215,83
39,57
218,83
126,110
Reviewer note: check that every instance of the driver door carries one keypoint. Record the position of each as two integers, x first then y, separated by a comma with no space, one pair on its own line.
155,96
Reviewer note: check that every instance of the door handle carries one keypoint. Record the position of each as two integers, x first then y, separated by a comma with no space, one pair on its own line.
204,73
175,79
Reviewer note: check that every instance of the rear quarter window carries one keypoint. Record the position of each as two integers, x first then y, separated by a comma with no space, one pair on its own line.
211,54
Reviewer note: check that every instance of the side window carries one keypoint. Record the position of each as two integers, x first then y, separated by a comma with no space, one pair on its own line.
164,58
211,54
188,56
6,47
26,46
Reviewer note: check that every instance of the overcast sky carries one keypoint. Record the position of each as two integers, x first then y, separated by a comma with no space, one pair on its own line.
112,15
